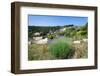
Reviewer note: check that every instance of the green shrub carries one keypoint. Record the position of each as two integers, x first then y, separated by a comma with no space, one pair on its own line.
60,48
61,33
51,36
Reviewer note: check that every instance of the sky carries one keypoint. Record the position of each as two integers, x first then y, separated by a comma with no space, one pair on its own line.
45,20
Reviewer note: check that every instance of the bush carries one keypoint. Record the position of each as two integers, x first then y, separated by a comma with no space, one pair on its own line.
60,48
51,36
61,33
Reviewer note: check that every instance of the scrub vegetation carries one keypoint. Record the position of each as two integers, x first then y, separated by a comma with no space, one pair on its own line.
58,42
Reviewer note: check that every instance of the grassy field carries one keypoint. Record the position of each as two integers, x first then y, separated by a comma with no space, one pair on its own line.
61,48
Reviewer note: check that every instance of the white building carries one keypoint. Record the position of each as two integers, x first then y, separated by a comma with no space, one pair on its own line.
37,34
37,38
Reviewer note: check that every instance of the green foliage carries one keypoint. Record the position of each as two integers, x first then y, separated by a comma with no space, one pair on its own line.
84,30
30,34
81,33
61,33
85,27
77,32
60,48
51,36
71,30
43,29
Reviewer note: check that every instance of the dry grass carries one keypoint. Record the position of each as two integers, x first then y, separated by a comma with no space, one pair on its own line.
81,50
39,52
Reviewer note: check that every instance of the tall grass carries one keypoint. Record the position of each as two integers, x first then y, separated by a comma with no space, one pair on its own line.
39,52
81,50
60,48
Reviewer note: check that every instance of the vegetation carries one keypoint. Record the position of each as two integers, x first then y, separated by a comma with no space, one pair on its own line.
39,52
80,50
44,29
61,45
60,48
71,31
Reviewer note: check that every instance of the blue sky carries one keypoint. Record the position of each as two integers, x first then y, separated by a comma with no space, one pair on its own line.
44,20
